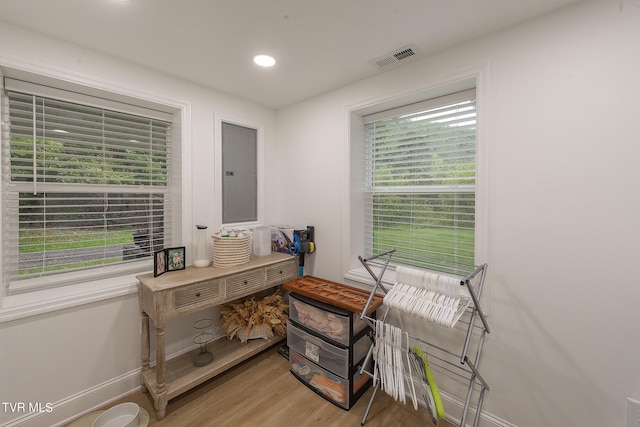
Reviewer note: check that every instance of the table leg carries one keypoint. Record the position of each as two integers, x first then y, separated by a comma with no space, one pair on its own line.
161,408
161,405
146,350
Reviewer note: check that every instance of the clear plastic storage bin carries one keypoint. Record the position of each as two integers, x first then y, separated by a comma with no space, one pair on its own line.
340,391
333,358
331,322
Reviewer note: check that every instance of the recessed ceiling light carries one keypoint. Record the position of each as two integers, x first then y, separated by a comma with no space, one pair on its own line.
264,60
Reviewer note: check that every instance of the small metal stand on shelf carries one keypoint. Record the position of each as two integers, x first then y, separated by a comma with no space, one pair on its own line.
203,335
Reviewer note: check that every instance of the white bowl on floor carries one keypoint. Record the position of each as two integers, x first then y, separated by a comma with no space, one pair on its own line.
123,415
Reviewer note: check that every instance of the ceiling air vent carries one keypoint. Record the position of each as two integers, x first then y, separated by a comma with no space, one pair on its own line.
396,56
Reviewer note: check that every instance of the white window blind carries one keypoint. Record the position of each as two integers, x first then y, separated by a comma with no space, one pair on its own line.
86,190
420,183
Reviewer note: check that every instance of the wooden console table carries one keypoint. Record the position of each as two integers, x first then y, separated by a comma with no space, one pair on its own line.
186,291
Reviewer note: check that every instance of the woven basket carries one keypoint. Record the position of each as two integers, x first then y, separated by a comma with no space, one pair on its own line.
257,331
230,251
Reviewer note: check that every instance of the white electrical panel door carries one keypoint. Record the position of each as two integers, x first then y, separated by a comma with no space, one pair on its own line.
239,174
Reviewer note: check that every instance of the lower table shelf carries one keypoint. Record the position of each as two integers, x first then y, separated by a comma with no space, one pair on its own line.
182,375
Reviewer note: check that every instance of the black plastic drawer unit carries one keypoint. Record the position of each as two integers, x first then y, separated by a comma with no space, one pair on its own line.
327,346
343,392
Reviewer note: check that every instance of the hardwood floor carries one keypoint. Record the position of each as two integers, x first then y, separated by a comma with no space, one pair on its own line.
261,392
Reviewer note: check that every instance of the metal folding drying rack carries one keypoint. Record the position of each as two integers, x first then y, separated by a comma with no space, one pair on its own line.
438,356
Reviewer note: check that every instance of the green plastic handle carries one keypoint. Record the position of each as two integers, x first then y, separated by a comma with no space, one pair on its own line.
437,400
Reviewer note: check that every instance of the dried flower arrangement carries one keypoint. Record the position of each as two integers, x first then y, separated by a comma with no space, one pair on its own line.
255,319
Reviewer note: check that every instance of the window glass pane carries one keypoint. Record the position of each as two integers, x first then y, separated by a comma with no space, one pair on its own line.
78,144
62,232
429,230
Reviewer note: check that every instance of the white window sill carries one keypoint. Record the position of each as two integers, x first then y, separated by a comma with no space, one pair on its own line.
48,300
361,277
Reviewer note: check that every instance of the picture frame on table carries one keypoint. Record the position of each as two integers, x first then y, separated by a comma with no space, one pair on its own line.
170,259
176,258
159,263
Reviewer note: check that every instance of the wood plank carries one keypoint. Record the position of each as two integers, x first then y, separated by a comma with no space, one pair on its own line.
262,392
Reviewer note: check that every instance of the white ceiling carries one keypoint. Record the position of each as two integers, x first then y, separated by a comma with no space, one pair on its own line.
320,45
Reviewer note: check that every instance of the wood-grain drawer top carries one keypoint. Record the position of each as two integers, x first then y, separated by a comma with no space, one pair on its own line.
244,283
280,273
198,293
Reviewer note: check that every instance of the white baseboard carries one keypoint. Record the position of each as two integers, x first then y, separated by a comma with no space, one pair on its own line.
66,410
455,407
73,407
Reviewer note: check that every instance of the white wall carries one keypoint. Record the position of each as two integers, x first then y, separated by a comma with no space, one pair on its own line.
81,356
563,201
563,204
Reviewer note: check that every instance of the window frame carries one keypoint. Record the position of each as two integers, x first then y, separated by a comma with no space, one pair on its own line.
81,187
435,195
124,282
354,193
